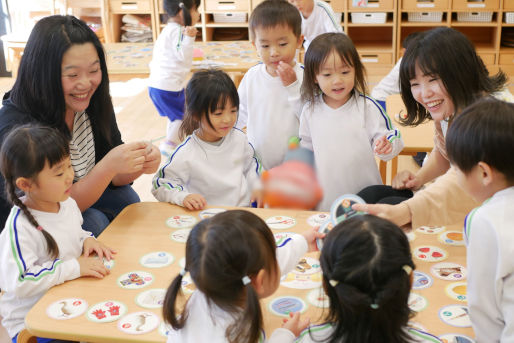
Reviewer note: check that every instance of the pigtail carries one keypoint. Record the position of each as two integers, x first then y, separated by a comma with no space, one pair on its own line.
186,16
169,307
248,328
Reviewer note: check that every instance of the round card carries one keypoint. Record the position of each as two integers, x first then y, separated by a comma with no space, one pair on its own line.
318,298
106,311
449,271
417,303
457,291
429,253
429,230
299,281
135,280
306,266
421,280
138,323
318,219
108,264
455,338
152,298
341,208
182,262
452,238
180,235
156,259
455,315
282,306
188,285
164,329
410,235
280,222
66,308
324,228
181,221
210,212
281,238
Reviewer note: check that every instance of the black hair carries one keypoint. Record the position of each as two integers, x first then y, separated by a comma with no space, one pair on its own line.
448,54
220,251
172,7
38,87
411,38
208,90
272,13
319,50
366,256
483,132
24,153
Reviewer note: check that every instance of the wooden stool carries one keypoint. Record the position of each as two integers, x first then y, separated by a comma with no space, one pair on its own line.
26,337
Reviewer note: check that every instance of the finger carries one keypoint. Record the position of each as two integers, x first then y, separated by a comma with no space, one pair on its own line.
94,273
86,253
99,252
364,208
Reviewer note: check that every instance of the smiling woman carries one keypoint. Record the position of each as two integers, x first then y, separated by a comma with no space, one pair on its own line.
63,83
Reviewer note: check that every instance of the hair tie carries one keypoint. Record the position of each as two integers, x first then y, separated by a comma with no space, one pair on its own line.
407,269
246,280
333,282
374,306
181,5
40,228
183,272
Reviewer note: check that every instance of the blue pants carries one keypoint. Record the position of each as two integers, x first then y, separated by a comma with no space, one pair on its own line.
42,340
105,209
169,104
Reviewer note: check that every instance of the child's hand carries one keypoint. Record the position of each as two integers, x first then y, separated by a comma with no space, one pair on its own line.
294,324
152,159
286,73
194,202
92,245
383,146
90,266
257,196
310,236
406,180
190,31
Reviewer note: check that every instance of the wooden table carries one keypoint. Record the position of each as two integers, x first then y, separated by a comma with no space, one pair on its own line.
141,228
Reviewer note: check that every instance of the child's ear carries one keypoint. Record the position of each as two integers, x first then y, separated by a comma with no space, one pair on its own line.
486,173
24,184
258,282
299,42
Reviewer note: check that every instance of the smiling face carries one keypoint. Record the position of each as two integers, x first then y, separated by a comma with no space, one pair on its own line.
430,92
222,120
276,44
336,80
80,76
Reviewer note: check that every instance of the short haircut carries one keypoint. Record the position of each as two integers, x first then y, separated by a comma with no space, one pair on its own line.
273,13
483,132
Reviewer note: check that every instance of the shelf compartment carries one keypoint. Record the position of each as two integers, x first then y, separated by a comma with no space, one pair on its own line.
424,5
130,6
508,5
488,57
226,5
491,23
370,5
473,5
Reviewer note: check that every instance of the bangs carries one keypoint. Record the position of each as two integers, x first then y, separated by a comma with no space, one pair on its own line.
222,98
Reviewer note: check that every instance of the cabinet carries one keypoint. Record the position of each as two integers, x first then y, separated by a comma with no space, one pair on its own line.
116,9
93,12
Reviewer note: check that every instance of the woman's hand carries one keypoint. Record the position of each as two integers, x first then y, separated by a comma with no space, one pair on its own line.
194,202
127,158
406,180
152,159
398,214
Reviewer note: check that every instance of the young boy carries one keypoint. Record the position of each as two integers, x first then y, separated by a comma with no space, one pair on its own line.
269,93
480,144
317,18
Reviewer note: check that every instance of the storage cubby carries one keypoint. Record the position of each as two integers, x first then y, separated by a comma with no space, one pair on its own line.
143,9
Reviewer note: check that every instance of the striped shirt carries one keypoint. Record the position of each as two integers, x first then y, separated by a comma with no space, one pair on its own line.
82,146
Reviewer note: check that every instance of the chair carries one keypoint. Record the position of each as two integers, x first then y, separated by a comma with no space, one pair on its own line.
26,337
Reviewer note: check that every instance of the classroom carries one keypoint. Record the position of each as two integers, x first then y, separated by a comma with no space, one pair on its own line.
330,168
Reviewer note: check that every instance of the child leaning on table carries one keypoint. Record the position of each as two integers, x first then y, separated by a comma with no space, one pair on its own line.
233,261
270,92
367,275
171,64
42,243
215,164
480,144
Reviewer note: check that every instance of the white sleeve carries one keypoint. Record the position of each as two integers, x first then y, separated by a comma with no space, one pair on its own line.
304,130
242,116
331,24
389,85
184,50
379,124
293,97
253,168
290,252
281,335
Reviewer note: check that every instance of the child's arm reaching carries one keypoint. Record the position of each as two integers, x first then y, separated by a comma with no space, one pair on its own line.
291,328
292,249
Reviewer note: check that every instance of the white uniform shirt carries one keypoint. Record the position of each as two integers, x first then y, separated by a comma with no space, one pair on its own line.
26,269
224,175
389,85
489,236
342,140
321,20
270,111
172,59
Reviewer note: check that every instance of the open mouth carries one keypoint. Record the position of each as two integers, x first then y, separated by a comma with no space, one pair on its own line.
433,104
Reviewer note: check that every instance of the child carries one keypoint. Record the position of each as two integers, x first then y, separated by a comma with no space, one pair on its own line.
270,92
215,164
479,143
43,241
225,307
317,18
171,64
367,275
342,125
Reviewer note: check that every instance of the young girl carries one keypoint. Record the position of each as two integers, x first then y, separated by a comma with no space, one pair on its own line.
171,63
215,164
342,125
367,275
43,241
225,307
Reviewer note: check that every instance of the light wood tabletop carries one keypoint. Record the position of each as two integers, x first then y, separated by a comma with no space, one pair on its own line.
142,228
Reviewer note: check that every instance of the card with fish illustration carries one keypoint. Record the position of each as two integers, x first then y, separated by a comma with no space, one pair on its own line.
430,253
449,271
455,338
66,308
135,280
106,311
455,315
301,281
417,303
430,230
307,266
180,236
280,222
181,221
138,323
421,280
318,298
210,212
457,291
152,298
282,306
157,259
452,238
318,219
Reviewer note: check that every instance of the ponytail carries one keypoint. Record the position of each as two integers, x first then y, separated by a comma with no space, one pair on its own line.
169,307
186,16
248,327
